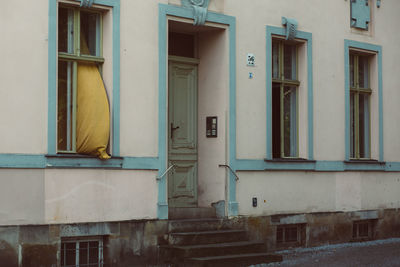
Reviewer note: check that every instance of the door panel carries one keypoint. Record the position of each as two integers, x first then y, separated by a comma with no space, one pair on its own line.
182,134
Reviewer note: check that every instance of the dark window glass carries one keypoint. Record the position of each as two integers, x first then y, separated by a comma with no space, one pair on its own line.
90,38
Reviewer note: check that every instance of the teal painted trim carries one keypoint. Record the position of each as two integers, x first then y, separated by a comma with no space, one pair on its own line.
52,79
162,210
31,161
82,162
22,161
329,166
162,200
140,163
272,30
378,50
52,76
116,77
233,206
163,12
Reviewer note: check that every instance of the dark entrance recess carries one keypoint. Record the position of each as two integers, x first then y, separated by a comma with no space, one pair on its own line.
181,44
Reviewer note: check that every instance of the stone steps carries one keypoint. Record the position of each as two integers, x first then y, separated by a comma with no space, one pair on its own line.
207,237
216,249
197,238
233,260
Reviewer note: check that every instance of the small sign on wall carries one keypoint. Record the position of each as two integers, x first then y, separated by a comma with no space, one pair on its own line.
251,60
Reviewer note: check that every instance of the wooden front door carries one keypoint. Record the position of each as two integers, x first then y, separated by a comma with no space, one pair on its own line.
182,133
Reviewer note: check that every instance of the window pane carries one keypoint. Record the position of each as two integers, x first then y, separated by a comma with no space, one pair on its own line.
94,253
64,106
363,75
65,30
352,126
352,71
291,234
276,120
83,252
90,37
70,258
275,60
290,121
279,235
364,125
289,55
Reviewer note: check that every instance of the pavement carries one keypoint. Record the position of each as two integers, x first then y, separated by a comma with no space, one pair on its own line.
371,253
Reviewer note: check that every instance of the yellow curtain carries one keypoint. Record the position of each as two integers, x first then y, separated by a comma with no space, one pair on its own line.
93,113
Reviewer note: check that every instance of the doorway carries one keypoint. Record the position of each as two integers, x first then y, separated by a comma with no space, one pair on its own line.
198,72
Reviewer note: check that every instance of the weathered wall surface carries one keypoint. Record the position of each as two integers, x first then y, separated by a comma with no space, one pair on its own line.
23,76
51,196
305,192
21,196
99,195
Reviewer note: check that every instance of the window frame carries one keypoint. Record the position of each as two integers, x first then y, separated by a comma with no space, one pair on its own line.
305,38
75,57
77,242
370,50
112,6
284,82
357,90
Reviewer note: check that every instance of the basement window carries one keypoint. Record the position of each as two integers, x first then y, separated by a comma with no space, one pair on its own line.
363,229
290,235
82,253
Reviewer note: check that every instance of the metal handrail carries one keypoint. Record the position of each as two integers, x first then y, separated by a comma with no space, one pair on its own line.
227,166
158,178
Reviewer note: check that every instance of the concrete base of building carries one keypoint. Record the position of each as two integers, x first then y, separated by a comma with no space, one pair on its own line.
136,243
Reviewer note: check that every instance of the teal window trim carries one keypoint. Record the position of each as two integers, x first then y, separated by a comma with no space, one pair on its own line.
177,11
272,30
377,49
40,161
52,75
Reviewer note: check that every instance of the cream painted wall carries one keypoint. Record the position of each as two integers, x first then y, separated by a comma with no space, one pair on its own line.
304,192
139,78
73,195
21,196
212,101
23,76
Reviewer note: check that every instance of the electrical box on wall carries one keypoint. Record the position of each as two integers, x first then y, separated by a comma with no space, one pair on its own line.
211,127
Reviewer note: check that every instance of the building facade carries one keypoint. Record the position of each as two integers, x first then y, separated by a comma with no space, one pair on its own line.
283,114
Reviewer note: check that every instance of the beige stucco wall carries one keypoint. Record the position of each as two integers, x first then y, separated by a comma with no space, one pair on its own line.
99,195
23,76
213,95
21,196
304,192
71,195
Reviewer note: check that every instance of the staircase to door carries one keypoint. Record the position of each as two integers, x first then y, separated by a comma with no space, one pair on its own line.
198,238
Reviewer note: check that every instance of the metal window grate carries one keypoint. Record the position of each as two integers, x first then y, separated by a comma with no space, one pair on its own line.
82,253
288,234
362,229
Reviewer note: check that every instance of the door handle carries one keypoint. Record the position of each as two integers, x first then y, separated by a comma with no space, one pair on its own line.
173,129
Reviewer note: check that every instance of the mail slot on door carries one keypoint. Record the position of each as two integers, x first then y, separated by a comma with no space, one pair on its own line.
211,128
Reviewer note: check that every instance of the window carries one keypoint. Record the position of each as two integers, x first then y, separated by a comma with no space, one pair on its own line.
364,229
83,116
360,92
285,87
82,253
290,235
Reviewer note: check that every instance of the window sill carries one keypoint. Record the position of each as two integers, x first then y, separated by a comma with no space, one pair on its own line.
82,161
364,161
293,164
289,160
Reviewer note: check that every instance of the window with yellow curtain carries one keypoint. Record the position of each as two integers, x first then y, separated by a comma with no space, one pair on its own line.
83,115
